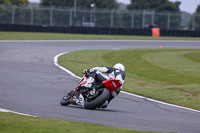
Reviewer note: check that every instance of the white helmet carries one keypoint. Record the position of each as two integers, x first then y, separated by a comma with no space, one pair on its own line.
119,66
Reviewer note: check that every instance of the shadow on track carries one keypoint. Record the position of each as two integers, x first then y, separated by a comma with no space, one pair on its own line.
104,110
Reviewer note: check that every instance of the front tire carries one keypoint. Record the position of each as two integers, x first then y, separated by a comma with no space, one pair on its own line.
99,100
65,100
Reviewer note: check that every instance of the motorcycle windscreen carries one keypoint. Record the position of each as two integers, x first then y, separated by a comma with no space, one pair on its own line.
83,80
112,84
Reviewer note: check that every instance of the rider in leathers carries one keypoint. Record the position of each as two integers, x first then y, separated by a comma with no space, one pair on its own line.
96,74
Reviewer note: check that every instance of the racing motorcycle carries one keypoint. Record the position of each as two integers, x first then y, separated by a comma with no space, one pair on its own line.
91,98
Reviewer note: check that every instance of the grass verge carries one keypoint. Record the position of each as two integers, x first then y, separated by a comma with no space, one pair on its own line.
13,123
170,75
58,36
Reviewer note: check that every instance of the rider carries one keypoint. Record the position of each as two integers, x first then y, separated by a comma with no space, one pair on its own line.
96,74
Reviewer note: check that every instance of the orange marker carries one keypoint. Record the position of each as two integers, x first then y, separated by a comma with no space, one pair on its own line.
161,46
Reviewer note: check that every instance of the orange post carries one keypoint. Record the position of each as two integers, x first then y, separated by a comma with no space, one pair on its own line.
155,32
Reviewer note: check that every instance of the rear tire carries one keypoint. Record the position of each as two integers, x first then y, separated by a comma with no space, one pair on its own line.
103,95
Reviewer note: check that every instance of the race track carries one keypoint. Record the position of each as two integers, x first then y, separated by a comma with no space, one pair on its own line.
30,83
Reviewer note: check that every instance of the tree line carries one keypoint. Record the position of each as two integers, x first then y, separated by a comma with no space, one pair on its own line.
157,5
137,5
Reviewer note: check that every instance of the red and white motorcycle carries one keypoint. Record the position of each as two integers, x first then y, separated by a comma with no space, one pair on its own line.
91,98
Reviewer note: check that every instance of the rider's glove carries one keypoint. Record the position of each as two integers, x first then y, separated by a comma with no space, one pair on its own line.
88,71
85,71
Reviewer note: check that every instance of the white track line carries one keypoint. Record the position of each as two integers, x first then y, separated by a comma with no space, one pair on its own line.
61,67
5,110
72,74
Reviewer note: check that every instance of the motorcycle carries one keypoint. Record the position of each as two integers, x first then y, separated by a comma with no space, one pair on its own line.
91,98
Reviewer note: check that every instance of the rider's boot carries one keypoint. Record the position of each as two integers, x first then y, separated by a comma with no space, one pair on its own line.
105,104
75,97
80,100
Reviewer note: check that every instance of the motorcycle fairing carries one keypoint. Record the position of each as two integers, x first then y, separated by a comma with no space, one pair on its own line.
112,84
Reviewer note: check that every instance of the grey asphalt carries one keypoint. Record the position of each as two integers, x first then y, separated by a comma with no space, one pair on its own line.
30,83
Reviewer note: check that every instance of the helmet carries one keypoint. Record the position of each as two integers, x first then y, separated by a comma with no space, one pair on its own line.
119,66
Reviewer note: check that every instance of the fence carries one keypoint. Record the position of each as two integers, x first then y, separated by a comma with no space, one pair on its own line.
65,17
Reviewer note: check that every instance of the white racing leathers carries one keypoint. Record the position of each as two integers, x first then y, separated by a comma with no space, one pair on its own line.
112,73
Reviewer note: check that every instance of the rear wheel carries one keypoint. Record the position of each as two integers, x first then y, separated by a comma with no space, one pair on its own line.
98,100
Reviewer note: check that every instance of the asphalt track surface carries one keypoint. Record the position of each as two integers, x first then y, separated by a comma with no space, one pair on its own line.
30,83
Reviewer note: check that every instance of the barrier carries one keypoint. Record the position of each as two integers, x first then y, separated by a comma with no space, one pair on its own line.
101,31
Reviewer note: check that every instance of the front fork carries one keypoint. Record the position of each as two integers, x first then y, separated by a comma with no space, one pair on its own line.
78,98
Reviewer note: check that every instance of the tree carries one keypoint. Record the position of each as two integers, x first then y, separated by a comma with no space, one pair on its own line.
161,15
157,5
6,12
198,9
194,23
14,2
58,3
111,4
101,4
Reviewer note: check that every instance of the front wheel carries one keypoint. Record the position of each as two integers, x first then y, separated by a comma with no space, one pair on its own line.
97,101
65,100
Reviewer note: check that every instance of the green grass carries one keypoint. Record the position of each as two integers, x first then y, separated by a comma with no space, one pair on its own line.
57,36
170,75
13,123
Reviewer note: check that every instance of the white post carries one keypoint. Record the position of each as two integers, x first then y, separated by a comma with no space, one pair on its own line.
51,16
74,8
132,19
31,15
91,16
74,12
193,22
168,22
70,17
13,14
152,17
111,18
143,20
94,15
